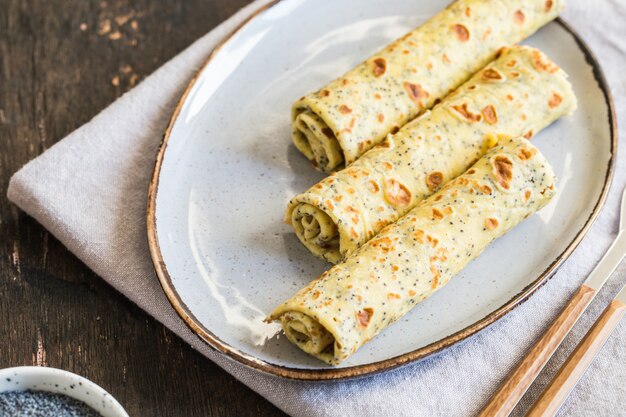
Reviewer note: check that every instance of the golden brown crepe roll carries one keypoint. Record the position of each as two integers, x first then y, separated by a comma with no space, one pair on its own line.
518,94
342,120
411,259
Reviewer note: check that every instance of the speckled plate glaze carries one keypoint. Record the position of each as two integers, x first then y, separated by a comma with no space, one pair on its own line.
227,168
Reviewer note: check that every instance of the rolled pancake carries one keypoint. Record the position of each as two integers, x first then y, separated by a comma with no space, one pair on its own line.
520,93
342,120
411,259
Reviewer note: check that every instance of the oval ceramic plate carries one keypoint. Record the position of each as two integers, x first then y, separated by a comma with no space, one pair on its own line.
227,168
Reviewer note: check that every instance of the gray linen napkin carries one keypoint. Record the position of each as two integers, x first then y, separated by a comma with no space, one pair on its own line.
90,191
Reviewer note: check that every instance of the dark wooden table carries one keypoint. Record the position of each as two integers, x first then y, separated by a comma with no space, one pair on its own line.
61,62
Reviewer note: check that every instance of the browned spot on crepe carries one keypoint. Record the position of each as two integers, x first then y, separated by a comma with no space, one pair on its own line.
419,236
461,32
397,193
491,223
365,316
373,186
490,115
548,5
385,144
440,256
471,117
525,154
343,109
434,180
503,170
384,244
527,195
436,275
416,92
555,100
437,214
541,65
492,74
485,188
380,66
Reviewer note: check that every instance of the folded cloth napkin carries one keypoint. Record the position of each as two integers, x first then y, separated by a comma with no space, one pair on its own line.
90,191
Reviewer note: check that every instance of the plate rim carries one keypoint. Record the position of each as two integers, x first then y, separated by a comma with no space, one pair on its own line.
355,371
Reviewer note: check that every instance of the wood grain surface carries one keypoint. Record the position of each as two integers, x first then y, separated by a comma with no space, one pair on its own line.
61,62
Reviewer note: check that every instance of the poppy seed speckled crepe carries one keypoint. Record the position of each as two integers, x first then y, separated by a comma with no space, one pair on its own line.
411,259
518,94
338,123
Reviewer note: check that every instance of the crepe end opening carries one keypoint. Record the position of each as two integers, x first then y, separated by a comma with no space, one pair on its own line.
309,335
317,231
316,140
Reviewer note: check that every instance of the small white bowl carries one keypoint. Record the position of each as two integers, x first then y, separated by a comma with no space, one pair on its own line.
57,381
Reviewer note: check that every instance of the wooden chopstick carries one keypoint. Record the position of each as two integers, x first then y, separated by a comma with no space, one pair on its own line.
507,396
559,388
